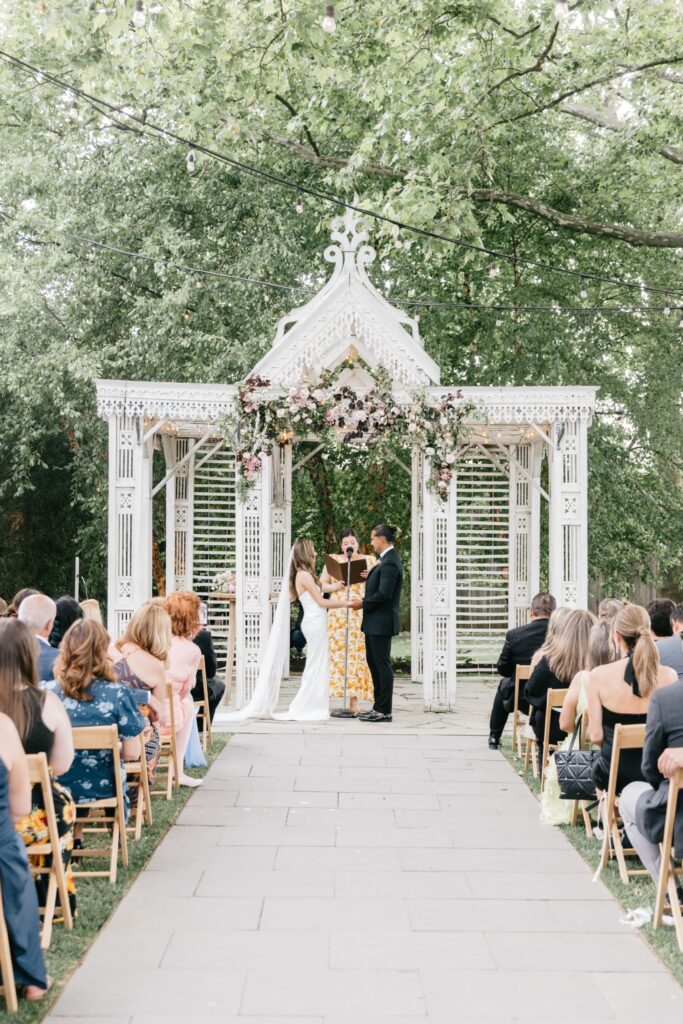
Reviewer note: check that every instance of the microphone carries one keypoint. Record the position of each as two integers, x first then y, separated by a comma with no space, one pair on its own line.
349,553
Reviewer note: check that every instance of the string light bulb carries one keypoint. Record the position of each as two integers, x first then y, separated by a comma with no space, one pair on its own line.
139,16
73,108
328,24
583,293
667,311
191,162
494,270
561,10
299,205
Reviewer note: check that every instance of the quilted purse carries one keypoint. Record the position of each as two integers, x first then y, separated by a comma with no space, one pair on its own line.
575,770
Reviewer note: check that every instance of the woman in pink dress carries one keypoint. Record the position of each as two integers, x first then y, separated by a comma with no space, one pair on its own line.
183,662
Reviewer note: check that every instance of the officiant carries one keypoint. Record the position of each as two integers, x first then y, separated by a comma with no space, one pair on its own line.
359,682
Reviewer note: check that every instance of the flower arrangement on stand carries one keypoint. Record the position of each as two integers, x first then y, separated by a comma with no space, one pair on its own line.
339,417
224,582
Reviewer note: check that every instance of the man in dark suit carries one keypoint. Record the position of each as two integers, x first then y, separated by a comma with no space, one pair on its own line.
381,619
214,683
520,645
38,612
642,805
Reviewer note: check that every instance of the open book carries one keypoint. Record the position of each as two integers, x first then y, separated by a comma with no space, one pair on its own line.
338,570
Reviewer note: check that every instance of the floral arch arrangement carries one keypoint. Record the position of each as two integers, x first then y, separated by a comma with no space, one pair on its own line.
340,417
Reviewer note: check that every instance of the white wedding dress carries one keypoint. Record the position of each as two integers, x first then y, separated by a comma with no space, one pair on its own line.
312,702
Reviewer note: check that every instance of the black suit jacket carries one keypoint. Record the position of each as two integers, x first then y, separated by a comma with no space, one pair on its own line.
664,729
521,643
383,596
205,644
47,656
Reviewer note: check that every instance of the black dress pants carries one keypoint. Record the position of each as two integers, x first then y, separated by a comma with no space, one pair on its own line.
378,654
499,711
216,688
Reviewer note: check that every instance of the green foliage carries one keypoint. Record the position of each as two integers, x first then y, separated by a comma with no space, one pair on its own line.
462,119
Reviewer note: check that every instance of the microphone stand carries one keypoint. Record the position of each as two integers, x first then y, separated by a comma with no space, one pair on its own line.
345,711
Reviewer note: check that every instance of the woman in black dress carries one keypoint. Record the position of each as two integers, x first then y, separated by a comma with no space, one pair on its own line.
620,693
563,655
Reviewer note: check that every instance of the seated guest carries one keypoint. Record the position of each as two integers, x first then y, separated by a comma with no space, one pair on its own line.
91,610
68,612
3,608
601,651
669,643
677,621
19,900
518,649
183,662
140,658
214,684
44,728
38,611
642,805
620,693
560,659
609,608
87,685
20,596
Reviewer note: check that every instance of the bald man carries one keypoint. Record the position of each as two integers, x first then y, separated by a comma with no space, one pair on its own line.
38,611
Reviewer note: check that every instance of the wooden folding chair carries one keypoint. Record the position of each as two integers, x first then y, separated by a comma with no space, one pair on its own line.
202,709
8,987
522,673
669,874
138,776
39,775
626,737
168,754
555,699
105,817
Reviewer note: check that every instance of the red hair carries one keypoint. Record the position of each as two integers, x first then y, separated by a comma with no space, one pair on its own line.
183,607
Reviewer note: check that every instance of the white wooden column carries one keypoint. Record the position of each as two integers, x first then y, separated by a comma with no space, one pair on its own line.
280,523
129,580
440,659
568,520
254,579
179,518
525,530
417,569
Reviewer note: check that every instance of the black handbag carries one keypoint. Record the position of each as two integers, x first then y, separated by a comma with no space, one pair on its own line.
575,770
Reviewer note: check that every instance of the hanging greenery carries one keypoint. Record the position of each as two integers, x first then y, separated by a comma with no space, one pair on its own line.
337,416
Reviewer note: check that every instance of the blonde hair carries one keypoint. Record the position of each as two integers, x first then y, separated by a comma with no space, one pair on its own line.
633,626
91,610
83,658
567,652
554,626
150,630
601,647
609,609
303,560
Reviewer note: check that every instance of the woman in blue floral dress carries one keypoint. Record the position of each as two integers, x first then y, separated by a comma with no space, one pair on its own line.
86,683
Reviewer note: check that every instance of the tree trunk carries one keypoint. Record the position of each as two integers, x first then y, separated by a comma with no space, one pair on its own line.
317,471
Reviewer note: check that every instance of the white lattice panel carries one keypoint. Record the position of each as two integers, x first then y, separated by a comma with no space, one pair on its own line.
417,570
482,561
214,532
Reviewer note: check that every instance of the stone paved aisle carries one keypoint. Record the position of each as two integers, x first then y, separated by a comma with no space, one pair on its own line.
322,878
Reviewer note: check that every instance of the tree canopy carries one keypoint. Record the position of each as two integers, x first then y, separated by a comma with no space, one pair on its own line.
554,143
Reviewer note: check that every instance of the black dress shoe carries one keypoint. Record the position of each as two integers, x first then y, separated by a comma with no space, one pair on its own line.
377,716
365,715
494,742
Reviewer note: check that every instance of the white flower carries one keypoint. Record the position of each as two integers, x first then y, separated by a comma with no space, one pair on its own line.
450,458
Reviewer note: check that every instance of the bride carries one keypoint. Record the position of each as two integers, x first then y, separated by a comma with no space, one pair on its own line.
312,701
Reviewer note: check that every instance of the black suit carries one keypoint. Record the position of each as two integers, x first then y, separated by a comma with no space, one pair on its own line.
664,729
521,643
47,656
214,684
380,622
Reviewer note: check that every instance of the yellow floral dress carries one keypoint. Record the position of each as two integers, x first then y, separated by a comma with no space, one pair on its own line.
359,681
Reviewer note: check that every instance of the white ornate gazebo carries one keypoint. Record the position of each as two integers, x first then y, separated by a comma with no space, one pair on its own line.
475,558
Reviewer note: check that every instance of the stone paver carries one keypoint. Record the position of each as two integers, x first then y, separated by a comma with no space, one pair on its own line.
330,877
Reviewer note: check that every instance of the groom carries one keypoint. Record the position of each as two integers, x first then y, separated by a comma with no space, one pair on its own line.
380,619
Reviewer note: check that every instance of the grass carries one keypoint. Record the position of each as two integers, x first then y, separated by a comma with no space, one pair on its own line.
639,892
97,900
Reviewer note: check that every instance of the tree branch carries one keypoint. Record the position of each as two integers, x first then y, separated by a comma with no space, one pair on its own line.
622,232
609,121
293,112
536,66
337,162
